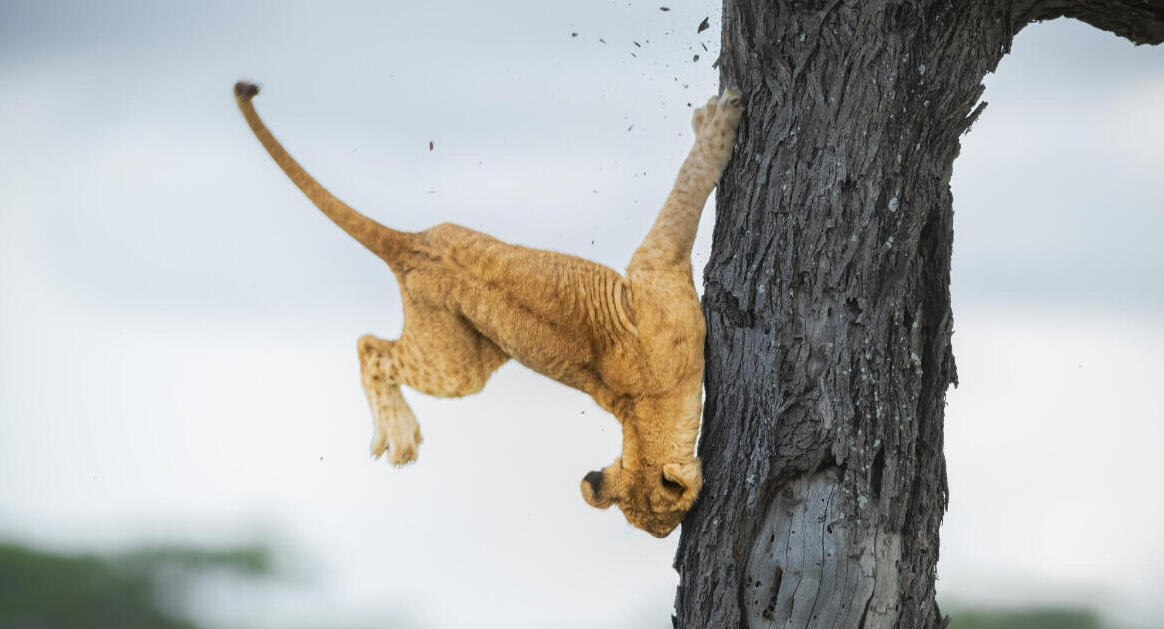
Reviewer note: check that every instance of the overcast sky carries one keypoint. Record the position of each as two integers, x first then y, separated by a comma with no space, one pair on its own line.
178,324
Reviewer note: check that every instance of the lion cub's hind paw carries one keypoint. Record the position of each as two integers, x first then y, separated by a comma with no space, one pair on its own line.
401,447
398,436
403,453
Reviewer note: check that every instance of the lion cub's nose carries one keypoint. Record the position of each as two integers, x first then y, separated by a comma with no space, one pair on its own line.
595,480
592,491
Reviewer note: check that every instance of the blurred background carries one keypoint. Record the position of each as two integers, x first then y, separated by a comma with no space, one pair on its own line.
183,436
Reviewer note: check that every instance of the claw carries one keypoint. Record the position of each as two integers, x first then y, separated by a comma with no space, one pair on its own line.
732,97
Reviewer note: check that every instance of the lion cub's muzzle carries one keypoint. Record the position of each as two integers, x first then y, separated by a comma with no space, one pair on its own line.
592,490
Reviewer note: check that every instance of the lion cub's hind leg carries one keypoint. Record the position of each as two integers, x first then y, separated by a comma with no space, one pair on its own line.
394,426
438,353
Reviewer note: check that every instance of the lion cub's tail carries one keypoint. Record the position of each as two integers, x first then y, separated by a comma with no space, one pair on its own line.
385,242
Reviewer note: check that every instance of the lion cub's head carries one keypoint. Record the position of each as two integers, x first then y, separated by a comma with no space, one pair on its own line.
653,498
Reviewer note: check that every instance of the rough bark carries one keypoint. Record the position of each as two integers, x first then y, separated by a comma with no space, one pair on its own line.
1140,21
828,307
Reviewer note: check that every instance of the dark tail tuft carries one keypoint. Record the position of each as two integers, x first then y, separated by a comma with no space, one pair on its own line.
245,90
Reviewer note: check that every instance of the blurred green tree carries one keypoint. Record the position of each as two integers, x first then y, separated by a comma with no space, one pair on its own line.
1026,619
42,590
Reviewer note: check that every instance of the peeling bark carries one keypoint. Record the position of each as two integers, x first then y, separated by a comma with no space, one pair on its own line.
828,307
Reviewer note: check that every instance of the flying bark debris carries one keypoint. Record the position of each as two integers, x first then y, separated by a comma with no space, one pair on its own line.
703,26
637,45
430,145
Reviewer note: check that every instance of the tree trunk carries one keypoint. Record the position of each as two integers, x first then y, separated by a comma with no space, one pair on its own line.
828,306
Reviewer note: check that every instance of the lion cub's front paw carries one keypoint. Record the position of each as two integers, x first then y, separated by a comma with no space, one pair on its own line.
715,130
721,114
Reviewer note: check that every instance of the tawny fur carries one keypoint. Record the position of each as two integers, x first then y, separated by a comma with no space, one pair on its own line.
633,342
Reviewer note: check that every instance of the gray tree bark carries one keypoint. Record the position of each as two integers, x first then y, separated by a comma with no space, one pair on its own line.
828,306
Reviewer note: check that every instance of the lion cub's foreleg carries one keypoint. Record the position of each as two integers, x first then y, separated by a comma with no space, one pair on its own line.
668,244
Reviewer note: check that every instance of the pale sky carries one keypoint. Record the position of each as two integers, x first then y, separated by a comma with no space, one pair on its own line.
178,324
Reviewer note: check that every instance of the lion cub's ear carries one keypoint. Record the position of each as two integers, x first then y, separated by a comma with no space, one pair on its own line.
686,476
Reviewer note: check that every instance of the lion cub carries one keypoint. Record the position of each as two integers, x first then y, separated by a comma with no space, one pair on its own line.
634,342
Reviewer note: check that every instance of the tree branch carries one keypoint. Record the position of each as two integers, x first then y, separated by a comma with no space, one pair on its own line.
1139,21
